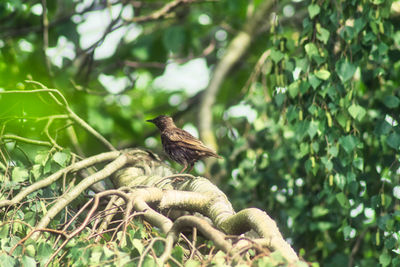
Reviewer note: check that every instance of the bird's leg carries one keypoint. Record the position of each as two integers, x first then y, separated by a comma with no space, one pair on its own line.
191,167
184,168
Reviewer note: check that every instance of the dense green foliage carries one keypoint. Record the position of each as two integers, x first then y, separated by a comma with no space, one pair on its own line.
309,134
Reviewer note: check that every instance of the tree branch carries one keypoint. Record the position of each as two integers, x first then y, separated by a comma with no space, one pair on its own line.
236,49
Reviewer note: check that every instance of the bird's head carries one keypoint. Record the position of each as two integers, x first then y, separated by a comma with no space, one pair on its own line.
162,122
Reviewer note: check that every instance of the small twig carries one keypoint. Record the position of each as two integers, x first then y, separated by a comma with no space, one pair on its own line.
26,140
149,247
87,218
31,233
55,176
162,12
73,219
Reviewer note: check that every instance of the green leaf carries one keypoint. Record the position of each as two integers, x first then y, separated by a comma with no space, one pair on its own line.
138,245
19,174
304,87
42,157
44,252
314,81
61,158
345,70
340,180
313,10
7,260
312,129
343,201
323,74
311,49
276,55
328,163
192,263
347,231
348,143
385,259
28,261
357,112
293,89
393,140
359,24
318,211
390,242
391,101
4,231
382,128
36,171
323,35
333,150
359,163
323,226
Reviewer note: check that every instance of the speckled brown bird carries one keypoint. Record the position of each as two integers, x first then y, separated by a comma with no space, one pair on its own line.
180,145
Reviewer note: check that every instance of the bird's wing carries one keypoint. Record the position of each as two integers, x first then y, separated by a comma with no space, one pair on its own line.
185,139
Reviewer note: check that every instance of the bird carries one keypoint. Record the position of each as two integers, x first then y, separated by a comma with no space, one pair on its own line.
180,145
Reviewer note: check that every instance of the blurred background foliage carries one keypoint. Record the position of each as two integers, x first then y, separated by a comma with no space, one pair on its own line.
307,119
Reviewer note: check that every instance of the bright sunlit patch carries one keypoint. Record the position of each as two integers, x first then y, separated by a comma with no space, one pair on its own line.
125,100
356,211
290,222
110,43
175,99
64,49
76,19
390,120
1,44
296,73
280,90
114,85
369,214
288,11
299,182
82,5
242,110
95,24
132,33
396,191
200,167
37,9
192,77
221,35
25,46
150,142
204,19
191,129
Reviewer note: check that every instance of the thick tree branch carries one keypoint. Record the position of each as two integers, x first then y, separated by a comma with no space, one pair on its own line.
236,49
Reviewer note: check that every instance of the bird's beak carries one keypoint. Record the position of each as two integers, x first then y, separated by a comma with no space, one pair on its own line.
150,120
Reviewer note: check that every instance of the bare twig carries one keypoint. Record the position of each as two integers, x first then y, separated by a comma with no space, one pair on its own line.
26,140
65,106
162,12
63,201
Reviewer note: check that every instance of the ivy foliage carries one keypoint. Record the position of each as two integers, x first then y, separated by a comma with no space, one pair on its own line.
317,146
